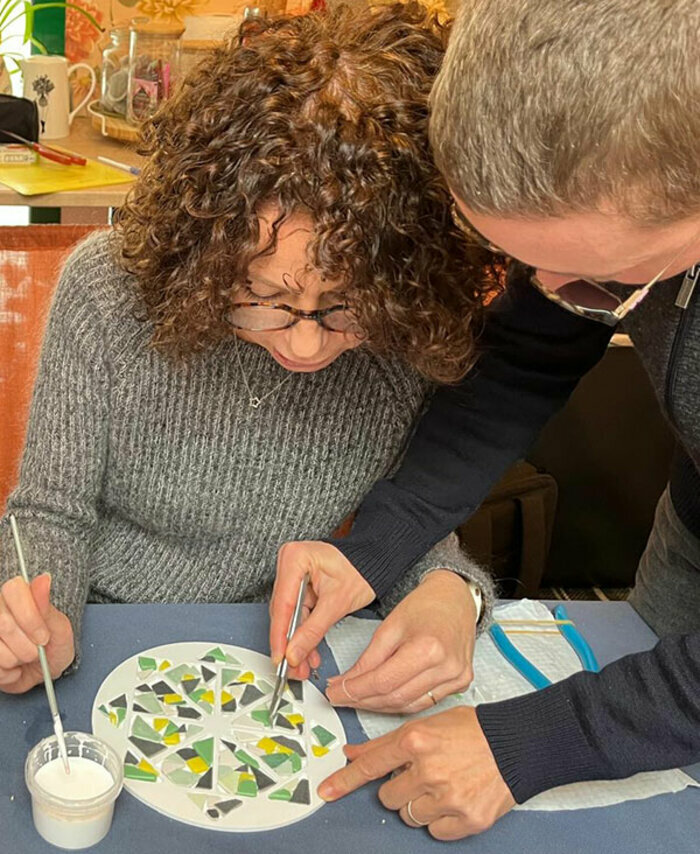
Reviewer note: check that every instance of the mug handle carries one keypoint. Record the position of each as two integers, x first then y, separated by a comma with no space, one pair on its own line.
73,68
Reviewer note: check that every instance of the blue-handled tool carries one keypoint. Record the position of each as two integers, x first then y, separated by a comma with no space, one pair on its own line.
513,655
576,641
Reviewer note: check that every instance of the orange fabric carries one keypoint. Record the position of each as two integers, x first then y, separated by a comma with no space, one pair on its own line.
30,261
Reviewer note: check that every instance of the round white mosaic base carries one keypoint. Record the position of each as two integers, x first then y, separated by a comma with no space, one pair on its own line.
186,717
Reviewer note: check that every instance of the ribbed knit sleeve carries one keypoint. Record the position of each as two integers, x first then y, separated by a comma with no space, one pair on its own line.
65,451
640,713
447,554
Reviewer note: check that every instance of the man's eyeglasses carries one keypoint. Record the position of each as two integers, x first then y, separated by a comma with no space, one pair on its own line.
272,317
583,297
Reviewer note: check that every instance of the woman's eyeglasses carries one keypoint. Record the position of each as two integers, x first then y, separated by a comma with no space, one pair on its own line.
583,297
273,317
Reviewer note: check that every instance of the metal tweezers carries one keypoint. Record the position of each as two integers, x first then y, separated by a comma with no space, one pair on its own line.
284,664
526,668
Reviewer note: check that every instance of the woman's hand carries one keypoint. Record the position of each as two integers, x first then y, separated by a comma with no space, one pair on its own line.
451,781
335,589
28,618
425,645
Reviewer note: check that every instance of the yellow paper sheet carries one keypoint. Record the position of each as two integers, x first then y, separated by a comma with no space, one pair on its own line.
32,179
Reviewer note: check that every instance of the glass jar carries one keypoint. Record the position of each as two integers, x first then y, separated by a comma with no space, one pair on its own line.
154,66
115,72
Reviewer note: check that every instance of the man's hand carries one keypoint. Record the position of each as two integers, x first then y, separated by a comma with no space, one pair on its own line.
451,780
425,644
28,618
335,589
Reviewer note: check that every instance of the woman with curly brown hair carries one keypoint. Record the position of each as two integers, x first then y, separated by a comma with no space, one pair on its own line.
238,362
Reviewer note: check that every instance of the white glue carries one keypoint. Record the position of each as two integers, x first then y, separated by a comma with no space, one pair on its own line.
73,827
87,779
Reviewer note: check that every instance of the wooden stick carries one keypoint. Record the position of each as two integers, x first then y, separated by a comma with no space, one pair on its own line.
534,622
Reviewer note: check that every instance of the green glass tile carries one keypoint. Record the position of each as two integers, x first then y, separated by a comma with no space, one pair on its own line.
181,777
177,673
134,773
171,729
147,663
295,762
199,801
228,674
323,735
217,654
274,760
262,716
247,759
281,795
148,703
143,730
228,778
205,749
247,788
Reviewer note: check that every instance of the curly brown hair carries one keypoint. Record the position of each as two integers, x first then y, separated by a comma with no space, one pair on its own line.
325,113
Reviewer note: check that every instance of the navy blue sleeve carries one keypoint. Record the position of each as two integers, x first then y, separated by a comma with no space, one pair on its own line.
533,355
641,713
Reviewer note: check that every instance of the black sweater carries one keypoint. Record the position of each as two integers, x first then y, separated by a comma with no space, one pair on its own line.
640,713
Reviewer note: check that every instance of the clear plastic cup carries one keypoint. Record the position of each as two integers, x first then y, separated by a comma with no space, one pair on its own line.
73,823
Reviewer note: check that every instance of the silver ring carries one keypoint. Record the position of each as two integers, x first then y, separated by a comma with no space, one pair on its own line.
430,694
413,818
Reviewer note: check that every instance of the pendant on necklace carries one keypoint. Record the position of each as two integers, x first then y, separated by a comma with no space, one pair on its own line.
254,402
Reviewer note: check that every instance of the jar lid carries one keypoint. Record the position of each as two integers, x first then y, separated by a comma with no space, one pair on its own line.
157,28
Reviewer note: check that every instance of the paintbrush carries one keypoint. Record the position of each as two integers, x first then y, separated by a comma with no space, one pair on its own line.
48,681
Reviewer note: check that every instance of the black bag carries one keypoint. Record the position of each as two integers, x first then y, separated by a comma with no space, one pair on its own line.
19,115
511,532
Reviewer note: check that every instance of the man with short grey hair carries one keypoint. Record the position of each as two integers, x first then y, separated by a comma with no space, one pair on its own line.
569,133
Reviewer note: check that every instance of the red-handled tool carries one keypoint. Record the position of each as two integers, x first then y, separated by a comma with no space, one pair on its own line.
49,153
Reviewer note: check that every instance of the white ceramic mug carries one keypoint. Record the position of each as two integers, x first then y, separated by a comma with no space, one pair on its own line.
46,82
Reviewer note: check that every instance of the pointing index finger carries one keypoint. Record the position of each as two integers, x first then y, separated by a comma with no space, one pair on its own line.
378,760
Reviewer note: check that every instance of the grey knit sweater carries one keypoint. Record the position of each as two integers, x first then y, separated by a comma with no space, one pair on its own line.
144,480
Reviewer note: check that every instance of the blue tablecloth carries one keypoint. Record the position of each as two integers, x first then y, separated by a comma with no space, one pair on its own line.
668,824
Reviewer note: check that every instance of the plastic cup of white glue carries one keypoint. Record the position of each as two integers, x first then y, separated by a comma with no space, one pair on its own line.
73,810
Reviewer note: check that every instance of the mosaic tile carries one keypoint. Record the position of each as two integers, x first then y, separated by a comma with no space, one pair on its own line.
296,792
214,808
191,766
218,655
115,710
139,769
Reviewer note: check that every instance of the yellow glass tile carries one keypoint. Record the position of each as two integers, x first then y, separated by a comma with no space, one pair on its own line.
295,719
146,766
318,750
197,765
226,697
188,676
248,676
172,698
165,665
267,744
173,738
208,697
160,723
246,776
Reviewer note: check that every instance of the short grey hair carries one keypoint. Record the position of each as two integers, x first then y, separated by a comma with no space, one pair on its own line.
544,107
